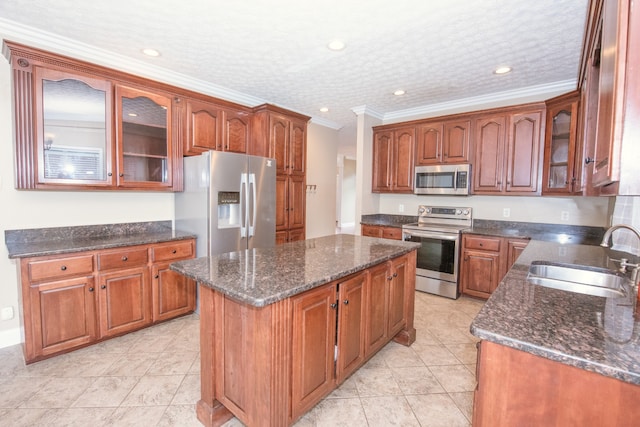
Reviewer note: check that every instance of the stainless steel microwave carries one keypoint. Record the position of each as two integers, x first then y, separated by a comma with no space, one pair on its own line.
454,180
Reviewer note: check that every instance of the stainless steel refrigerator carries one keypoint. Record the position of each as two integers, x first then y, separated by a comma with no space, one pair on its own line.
229,202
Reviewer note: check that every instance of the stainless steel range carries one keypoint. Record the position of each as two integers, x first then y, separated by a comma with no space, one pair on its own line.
439,231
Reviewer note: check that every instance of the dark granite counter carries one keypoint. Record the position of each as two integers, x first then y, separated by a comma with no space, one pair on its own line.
61,240
260,277
559,233
593,333
387,220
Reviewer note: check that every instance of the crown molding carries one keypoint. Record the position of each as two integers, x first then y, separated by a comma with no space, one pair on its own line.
44,40
540,92
364,109
326,123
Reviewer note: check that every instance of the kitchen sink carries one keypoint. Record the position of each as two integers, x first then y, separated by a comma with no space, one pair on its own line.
580,279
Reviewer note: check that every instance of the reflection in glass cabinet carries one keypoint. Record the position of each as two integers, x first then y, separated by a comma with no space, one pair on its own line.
559,162
144,138
73,136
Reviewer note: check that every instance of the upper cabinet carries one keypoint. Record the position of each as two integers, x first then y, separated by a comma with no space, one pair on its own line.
211,126
610,85
562,165
508,151
143,138
79,126
443,142
393,160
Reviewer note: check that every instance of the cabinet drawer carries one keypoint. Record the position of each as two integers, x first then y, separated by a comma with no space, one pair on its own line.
122,258
482,243
371,231
60,267
176,250
392,233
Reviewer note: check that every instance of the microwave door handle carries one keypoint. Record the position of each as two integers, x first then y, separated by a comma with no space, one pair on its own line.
455,180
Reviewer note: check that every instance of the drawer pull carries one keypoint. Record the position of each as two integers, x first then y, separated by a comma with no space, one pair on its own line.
63,268
346,302
91,289
157,276
395,274
174,251
334,305
124,258
103,287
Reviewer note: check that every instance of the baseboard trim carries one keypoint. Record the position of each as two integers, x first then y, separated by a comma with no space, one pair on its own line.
10,337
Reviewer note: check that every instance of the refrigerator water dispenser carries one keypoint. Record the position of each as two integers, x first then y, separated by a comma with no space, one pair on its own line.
228,209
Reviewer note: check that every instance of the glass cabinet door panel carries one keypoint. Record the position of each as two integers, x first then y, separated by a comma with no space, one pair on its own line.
144,136
560,138
73,129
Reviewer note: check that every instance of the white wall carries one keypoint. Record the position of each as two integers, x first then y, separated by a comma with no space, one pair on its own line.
322,152
348,204
591,211
36,209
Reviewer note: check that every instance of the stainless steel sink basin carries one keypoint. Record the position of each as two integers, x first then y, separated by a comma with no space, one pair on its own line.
580,279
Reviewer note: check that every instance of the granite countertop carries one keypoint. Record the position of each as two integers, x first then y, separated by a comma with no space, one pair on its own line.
262,276
62,240
593,333
387,220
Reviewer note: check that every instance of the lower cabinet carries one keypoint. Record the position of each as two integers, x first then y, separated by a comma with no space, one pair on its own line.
269,365
485,261
73,300
381,231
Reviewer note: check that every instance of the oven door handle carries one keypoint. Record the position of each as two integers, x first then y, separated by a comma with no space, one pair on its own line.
433,235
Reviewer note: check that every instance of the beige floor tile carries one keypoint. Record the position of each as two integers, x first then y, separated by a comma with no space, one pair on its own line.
416,380
16,390
180,416
154,391
172,363
131,365
58,393
87,365
465,353
152,343
339,413
137,416
195,366
81,417
189,391
433,355
454,378
347,389
234,422
185,342
376,382
21,417
464,402
398,355
106,392
389,411
437,410
450,335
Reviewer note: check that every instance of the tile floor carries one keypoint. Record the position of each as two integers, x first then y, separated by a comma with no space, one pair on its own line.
151,378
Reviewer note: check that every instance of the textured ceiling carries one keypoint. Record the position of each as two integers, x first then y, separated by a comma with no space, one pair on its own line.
254,51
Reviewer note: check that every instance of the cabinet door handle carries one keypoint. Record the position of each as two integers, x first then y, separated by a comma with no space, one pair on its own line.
103,287
589,160
390,278
346,302
334,305
109,174
91,289
174,251
63,268
395,274
124,258
121,175
480,245
156,276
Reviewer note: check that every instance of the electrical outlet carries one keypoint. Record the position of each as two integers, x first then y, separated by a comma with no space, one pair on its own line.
6,313
506,212
400,207
564,215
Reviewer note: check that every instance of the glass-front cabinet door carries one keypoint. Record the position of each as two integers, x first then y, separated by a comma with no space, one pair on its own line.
143,133
73,129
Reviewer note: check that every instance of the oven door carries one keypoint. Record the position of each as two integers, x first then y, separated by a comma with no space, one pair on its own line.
437,255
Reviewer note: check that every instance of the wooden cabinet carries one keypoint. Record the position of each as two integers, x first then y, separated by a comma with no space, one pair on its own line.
443,142
210,126
393,160
485,261
119,135
280,134
77,299
385,232
294,352
508,151
562,164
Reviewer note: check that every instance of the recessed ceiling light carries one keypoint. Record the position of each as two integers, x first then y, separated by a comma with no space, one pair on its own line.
324,109
502,70
151,52
399,92
336,45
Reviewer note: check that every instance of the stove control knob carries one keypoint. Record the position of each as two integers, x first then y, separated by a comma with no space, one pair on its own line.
458,212
465,212
421,211
428,210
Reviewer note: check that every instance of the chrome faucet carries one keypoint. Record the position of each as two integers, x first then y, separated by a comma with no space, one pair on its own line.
624,262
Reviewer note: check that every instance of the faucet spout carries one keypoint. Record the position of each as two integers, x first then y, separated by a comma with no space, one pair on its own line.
609,232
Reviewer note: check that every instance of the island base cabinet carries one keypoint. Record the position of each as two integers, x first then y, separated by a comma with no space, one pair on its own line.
516,388
268,365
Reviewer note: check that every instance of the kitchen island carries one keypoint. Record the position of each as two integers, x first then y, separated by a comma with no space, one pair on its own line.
281,327
551,357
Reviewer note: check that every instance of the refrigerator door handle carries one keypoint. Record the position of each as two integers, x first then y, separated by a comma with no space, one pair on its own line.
252,211
244,205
